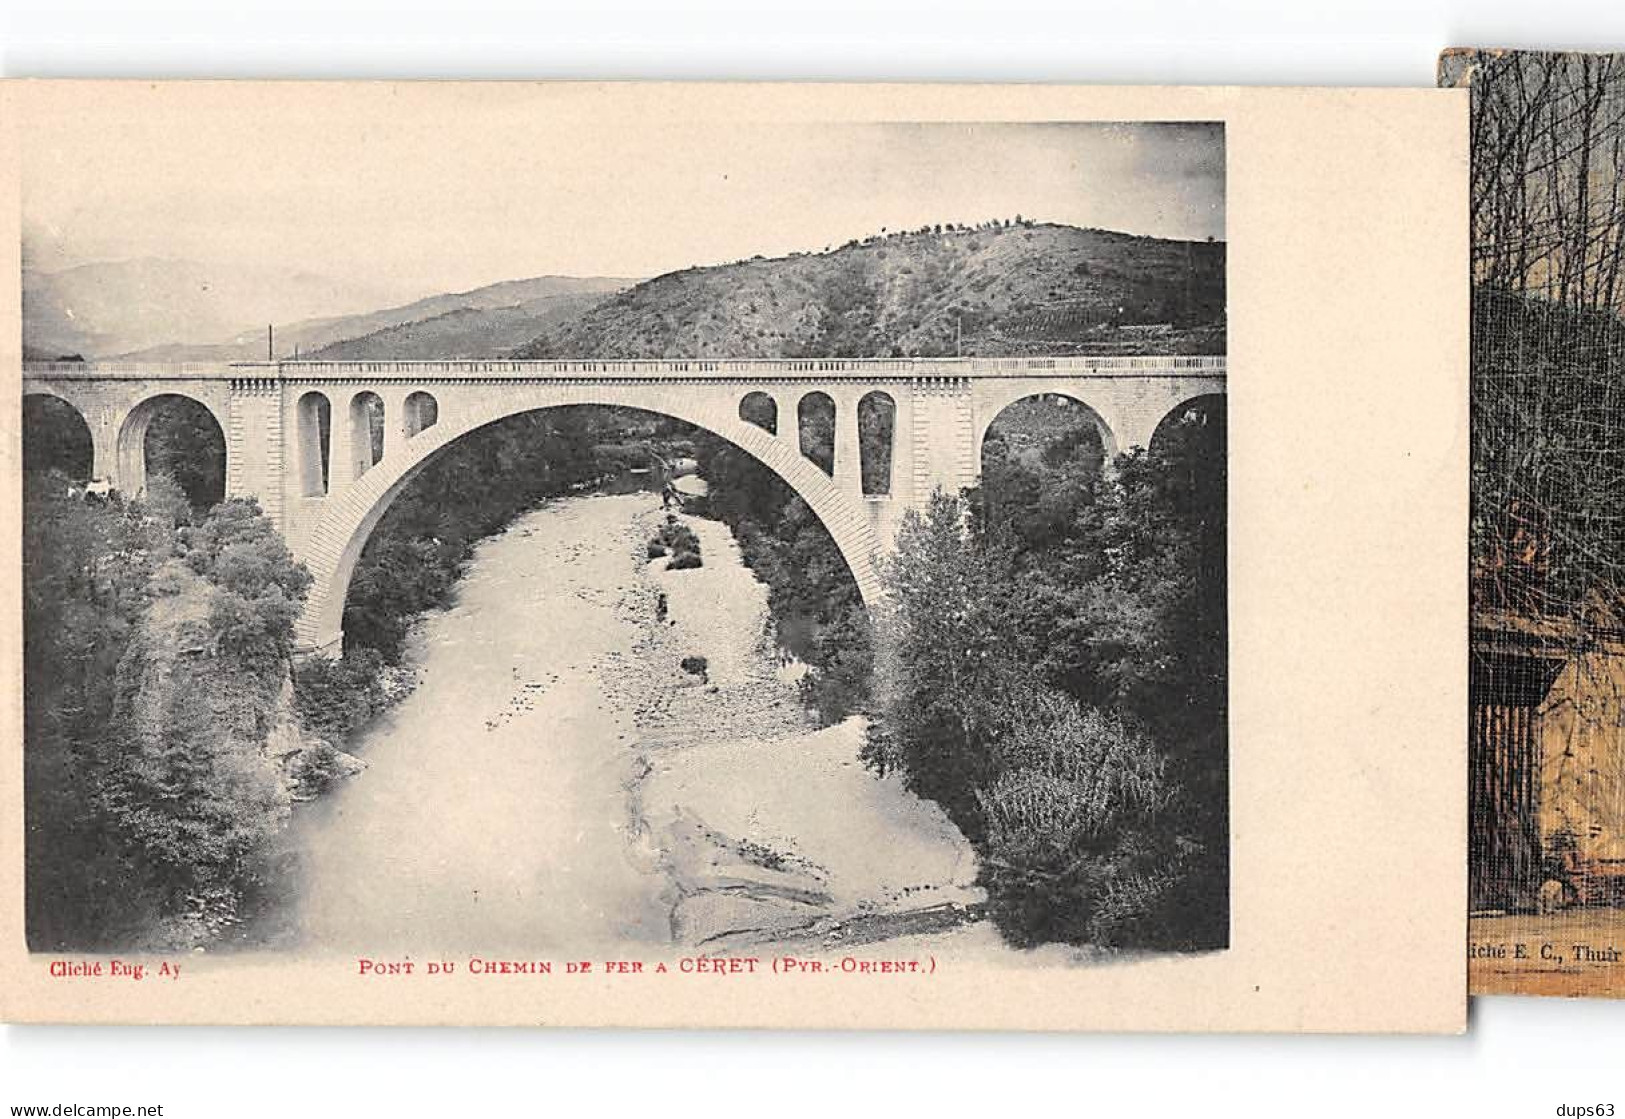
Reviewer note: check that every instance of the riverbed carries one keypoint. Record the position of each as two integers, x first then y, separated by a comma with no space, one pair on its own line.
560,780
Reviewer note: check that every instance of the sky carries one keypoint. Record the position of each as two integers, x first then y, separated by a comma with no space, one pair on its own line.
447,196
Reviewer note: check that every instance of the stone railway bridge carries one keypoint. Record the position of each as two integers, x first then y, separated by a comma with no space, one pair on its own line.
283,420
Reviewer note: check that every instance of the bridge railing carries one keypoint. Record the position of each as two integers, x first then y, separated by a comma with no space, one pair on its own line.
155,370
701,368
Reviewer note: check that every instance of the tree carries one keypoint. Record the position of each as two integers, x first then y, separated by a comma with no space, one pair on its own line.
1547,207
1052,672
185,443
1547,204
85,570
947,659
259,588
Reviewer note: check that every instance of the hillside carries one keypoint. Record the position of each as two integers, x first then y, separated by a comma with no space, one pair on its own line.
463,332
545,299
1017,288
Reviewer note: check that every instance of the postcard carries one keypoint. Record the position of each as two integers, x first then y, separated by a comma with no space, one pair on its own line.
1547,777
737,555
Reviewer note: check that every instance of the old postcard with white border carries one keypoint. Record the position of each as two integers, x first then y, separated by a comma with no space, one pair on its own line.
734,555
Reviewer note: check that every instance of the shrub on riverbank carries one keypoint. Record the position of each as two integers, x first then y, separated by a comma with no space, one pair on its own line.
318,768
843,653
679,540
1074,848
336,696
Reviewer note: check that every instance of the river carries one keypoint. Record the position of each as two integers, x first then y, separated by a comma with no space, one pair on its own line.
558,780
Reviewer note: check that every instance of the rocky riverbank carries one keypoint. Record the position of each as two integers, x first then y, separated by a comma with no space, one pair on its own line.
768,827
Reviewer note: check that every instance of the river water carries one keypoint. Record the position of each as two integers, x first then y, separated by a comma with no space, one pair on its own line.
558,779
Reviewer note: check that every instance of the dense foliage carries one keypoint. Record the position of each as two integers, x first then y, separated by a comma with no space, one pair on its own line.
85,569
155,652
1053,674
184,442
337,695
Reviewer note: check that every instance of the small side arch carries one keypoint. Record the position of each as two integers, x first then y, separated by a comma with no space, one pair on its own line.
366,432
815,430
314,432
420,411
877,440
1205,410
1040,411
761,409
1190,442
196,451
56,436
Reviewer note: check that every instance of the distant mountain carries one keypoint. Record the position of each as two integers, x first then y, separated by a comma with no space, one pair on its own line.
464,332
153,310
109,308
454,324
543,296
1008,289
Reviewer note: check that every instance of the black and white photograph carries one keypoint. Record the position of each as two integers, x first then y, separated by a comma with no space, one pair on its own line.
725,539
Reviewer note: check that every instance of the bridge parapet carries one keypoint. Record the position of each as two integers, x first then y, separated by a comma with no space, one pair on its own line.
129,371
1087,367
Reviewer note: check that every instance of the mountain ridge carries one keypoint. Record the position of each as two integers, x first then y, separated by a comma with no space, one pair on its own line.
996,289
1000,288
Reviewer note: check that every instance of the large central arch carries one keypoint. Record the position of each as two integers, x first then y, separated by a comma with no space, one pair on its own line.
338,537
